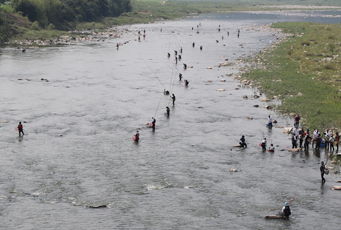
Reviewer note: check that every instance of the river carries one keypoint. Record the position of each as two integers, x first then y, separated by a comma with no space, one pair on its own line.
78,151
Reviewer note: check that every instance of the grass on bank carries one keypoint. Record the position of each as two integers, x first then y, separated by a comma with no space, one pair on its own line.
308,77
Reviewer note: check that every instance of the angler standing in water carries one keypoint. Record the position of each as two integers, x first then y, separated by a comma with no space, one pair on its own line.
167,110
20,128
180,76
173,98
263,144
322,168
154,123
269,121
186,83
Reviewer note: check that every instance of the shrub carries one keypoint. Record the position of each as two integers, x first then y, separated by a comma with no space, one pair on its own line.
7,8
51,27
35,26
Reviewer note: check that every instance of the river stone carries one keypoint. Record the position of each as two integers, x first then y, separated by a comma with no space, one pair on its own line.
222,80
250,118
233,170
220,90
265,99
209,68
336,187
256,96
256,106
287,130
245,96
294,150
236,88
279,126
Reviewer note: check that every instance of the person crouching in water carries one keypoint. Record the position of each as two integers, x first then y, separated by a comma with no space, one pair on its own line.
286,210
242,142
272,148
137,136
263,144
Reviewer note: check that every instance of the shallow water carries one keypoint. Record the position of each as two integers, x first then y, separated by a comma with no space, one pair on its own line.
78,149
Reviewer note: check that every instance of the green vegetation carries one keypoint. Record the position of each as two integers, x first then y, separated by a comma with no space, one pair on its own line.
101,14
63,13
307,77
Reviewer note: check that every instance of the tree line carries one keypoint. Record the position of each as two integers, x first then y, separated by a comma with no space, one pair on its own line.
63,14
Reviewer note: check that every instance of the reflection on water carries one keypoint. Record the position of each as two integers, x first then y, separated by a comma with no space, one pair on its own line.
78,149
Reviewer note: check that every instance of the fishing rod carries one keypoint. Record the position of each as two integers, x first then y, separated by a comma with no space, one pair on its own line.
292,199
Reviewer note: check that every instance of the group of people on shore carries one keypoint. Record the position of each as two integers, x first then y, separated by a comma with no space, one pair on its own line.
301,138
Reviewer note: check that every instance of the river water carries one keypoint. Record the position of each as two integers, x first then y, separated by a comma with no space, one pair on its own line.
78,151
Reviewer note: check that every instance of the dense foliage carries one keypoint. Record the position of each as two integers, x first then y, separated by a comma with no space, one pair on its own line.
62,13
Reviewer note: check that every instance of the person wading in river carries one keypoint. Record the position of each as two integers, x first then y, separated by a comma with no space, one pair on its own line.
137,136
173,98
153,122
167,110
269,121
20,129
322,168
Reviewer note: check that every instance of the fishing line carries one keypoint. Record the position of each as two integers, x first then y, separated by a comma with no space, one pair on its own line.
158,105
152,70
